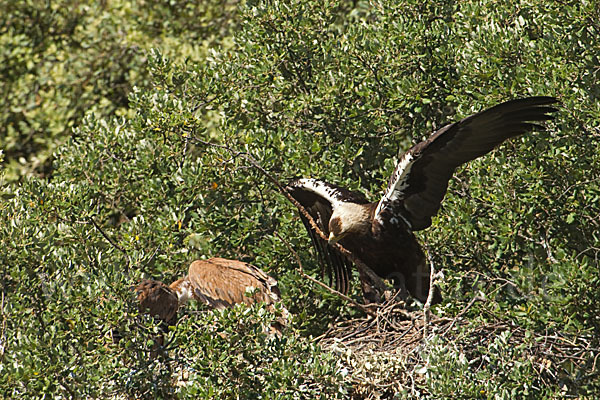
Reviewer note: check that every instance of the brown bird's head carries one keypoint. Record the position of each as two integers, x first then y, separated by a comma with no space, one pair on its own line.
158,300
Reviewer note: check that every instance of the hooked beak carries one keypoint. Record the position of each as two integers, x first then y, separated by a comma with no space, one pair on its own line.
332,239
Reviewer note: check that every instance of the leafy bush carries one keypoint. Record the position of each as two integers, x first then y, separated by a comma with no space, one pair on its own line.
159,171
234,358
67,58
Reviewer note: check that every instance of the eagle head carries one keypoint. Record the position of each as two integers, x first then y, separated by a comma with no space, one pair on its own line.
335,230
348,218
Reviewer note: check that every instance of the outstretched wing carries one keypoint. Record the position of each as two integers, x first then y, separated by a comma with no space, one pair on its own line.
420,180
220,283
319,199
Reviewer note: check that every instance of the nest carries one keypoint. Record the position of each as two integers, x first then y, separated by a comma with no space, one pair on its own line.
395,351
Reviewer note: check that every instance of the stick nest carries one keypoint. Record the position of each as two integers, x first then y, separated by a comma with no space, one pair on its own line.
396,351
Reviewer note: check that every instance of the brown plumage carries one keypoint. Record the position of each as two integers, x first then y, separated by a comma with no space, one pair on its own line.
158,300
161,302
380,233
216,282
219,283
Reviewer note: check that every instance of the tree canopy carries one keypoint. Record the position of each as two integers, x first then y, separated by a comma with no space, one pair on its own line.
131,135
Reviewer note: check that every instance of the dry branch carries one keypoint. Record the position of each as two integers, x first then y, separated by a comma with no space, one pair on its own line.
112,242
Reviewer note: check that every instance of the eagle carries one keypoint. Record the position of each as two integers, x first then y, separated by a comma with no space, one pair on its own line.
217,283
381,234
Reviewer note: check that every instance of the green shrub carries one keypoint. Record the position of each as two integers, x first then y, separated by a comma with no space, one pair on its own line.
63,59
156,176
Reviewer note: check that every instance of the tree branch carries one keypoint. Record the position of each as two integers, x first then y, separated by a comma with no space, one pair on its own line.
116,246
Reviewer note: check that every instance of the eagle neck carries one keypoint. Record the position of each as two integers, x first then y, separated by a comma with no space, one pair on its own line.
355,218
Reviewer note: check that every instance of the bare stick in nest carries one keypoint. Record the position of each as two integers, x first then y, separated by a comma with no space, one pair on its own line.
427,306
362,267
391,307
594,364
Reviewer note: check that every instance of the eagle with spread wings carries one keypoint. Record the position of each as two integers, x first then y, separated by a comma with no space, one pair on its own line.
380,234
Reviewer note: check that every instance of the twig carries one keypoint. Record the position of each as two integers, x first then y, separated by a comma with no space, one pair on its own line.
310,278
116,246
462,312
427,306
546,246
3,343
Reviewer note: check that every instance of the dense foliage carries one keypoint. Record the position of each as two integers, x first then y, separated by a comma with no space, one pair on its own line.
157,114
63,59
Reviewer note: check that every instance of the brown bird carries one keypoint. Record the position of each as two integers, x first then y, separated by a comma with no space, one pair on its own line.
216,282
158,300
161,302
220,283
380,233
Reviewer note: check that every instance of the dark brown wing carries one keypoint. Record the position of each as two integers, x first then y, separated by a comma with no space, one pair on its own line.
220,283
158,300
319,198
421,177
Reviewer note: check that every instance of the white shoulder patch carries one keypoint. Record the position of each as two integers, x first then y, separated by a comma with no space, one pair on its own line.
322,189
184,292
398,183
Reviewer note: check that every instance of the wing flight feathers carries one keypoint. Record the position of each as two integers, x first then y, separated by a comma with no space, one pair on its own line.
319,199
419,181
